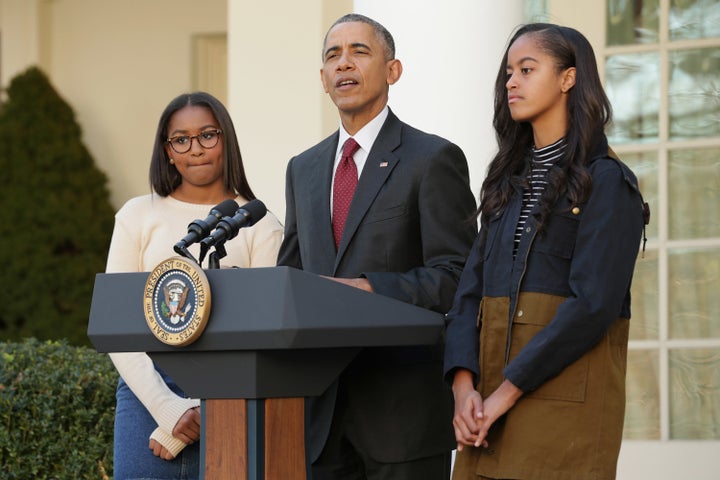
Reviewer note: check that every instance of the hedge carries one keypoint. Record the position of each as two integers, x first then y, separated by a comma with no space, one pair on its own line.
57,406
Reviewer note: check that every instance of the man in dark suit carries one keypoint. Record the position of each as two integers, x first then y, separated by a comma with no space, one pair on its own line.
407,232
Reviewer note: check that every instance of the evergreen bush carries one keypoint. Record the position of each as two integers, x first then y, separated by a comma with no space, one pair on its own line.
57,406
55,216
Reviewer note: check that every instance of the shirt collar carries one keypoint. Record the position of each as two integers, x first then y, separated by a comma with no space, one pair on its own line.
365,137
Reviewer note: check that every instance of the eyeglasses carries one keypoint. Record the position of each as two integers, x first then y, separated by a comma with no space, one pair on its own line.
206,139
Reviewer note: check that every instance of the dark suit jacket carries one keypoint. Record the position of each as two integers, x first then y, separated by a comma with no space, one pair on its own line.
408,231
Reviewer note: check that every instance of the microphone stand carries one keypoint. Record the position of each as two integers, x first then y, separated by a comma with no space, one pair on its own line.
181,250
220,252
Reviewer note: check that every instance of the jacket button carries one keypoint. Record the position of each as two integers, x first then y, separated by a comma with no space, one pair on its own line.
528,229
576,210
520,313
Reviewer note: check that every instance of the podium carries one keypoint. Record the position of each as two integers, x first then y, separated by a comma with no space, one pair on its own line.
274,336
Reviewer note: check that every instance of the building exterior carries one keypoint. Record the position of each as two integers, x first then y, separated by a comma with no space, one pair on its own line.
119,63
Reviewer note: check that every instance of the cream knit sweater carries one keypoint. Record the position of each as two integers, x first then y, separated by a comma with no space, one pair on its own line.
146,228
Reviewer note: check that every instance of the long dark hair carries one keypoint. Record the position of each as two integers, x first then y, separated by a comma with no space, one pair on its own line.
589,111
165,178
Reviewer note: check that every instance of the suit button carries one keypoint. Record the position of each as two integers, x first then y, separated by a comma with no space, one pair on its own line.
520,313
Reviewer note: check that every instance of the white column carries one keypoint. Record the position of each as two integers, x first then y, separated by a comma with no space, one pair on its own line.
451,53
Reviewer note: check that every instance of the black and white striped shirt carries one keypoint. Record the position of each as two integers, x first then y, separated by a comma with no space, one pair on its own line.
542,160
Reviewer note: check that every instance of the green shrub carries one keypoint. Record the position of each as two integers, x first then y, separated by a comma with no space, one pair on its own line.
55,216
57,406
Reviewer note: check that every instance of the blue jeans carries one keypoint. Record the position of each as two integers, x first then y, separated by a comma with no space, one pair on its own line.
133,459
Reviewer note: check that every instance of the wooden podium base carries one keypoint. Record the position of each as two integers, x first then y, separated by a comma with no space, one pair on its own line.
254,439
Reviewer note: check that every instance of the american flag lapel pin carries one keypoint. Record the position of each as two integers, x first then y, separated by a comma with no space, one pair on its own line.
383,164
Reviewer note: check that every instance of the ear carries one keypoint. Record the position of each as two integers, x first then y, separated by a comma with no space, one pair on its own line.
394,71
567,80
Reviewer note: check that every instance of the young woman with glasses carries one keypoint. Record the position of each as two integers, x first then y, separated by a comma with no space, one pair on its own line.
195,165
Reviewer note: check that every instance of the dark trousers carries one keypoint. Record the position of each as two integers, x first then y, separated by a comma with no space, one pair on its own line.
341,459
356,466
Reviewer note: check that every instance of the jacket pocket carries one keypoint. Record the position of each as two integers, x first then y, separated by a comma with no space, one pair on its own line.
386,214
570,385
558,236
534,313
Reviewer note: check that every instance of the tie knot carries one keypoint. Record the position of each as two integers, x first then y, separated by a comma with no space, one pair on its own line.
350,147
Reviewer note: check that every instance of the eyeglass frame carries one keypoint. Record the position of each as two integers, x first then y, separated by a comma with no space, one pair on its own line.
216,131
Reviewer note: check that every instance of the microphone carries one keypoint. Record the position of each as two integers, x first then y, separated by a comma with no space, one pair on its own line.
200,229
228,227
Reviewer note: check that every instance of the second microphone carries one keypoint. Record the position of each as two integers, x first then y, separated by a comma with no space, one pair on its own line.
228,227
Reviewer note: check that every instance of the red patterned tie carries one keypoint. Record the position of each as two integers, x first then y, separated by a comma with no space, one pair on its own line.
346,178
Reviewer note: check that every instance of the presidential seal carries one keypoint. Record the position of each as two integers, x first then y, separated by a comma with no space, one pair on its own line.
176,301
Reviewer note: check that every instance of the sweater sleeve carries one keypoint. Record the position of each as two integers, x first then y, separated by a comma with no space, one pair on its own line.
124,252
136,368
256,246
138,371
173,444
265,241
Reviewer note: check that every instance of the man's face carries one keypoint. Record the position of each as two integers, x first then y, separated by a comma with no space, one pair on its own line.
356,73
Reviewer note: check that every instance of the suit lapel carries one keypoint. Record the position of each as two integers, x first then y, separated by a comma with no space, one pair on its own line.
380,163
319,203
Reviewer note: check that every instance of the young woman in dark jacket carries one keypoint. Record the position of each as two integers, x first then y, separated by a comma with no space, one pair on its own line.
537,337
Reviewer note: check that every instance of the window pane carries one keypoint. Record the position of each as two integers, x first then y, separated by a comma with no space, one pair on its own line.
694,19
632,21
694,193
642,408
644,324
645,165
633,86
694,296
694,93
695,394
